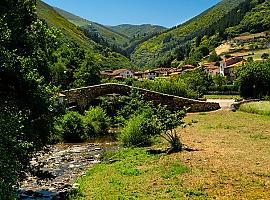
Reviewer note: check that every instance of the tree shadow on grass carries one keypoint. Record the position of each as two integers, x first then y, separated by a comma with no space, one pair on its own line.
169,151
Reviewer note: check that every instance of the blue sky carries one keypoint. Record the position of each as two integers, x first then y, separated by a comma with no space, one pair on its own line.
167,13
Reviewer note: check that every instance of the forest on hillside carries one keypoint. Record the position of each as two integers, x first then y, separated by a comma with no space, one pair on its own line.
184,39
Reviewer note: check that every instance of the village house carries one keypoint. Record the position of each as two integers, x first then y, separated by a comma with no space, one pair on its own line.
106,73
211,68
124,73
119,73
150,74
138,75
227,63
159,72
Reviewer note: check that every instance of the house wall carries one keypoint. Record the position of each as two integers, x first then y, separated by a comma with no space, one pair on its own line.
152,75
126,74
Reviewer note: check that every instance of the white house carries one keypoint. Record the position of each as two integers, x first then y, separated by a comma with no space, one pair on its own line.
124,73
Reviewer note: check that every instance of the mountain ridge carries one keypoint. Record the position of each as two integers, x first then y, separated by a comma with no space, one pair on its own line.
73,34
113,35
132,30
215,19
103,30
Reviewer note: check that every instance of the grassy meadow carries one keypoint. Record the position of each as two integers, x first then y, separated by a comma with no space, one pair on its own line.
262,108
217,96
231,161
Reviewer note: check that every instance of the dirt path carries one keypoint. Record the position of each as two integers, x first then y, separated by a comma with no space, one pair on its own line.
225,104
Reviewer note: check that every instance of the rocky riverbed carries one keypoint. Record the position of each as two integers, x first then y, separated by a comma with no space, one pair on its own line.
59,167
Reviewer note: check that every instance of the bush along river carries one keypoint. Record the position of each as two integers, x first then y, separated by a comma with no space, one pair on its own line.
56,168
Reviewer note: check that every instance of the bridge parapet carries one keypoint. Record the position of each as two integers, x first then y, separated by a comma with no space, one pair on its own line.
83,97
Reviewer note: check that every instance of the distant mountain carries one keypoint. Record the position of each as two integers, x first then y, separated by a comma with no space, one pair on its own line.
118,38
74,34
53,19
162,48
151,46
97,30
137,30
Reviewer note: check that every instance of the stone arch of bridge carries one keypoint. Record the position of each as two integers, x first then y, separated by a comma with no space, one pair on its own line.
83,97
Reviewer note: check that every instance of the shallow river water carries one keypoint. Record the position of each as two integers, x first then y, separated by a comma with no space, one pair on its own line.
60,166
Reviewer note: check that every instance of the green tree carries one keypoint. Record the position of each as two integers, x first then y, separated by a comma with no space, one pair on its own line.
168,122
198,80
88,73
254,80
26,97
250,59
69,58
220,80
213,57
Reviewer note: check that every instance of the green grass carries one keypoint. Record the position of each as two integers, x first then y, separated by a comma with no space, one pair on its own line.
136,174
232,162
257,54
261,108
214,96
53,19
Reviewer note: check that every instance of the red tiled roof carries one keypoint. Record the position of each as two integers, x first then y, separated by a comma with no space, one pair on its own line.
231,61
207,65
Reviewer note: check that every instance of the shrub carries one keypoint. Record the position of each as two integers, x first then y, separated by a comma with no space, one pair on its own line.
135,106
168,86
96,122
71,127
168,121
142,121
224,89
139,131
111,104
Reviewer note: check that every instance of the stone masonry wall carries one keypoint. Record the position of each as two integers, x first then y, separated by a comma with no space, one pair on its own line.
82,97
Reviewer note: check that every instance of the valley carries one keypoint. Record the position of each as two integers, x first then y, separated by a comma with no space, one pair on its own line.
133,109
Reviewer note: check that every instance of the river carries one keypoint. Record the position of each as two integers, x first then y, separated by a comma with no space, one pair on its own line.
57,167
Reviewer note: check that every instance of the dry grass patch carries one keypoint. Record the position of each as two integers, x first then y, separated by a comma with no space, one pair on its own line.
234,157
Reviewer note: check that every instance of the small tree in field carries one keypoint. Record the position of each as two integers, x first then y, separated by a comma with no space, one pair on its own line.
168,122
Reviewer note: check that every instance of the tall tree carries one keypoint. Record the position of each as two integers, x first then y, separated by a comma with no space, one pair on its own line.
26,103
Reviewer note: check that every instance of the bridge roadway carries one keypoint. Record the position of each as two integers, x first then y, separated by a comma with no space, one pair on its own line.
84,97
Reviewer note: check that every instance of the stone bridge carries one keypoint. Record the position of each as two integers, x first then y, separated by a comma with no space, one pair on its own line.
84,97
